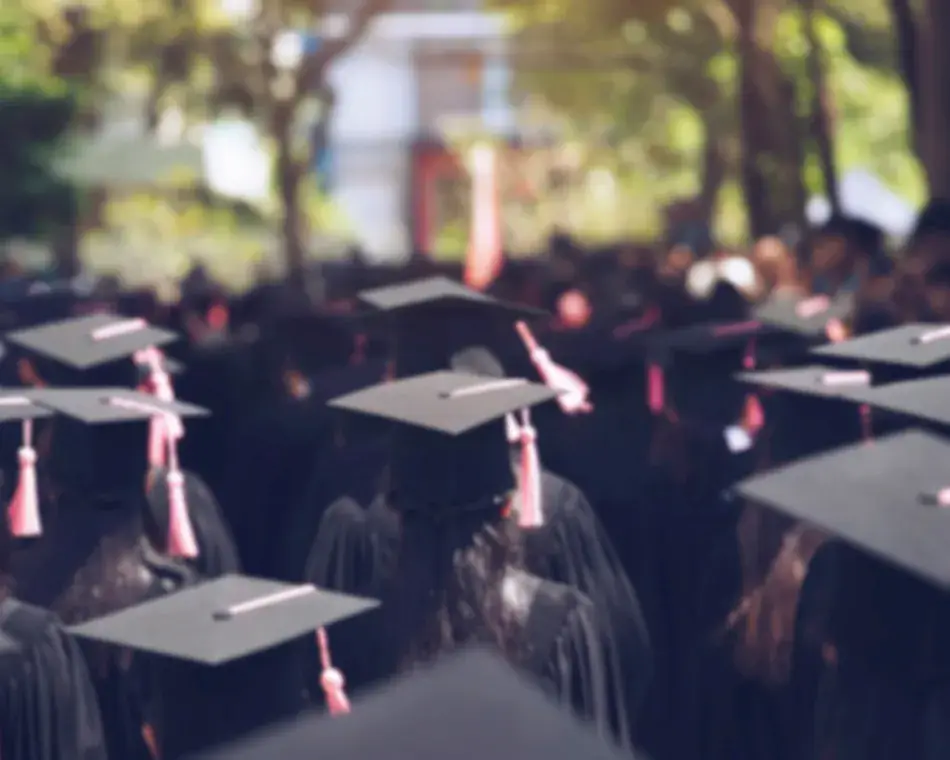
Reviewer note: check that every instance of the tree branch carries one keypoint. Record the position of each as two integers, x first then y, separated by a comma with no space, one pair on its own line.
314,66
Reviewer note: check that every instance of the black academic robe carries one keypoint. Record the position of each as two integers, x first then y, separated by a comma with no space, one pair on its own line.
558,634
48,707
90,562
887,629
196,707
572,548
217,550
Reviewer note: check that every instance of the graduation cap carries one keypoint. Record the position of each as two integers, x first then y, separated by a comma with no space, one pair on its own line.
915,346
889,499
927,398
806,318
721,345
466,706
449,403
808,412
813,380
230,618
450,446
311,341
431,319
107,407
86,342
434,293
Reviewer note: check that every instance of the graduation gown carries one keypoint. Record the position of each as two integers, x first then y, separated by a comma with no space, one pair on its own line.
557,632
48,707
217,551
572,548
93,561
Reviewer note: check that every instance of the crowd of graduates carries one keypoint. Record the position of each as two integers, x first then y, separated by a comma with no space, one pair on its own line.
238,510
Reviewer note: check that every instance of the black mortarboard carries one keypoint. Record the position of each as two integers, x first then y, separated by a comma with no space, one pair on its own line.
222,620
17,405
815,408
100,446
309,341
806,318
438,292
450,403
450,447
90,341
916,346
707,339
429,320
468,706
926,398
883,498
103,406
702,358
814,380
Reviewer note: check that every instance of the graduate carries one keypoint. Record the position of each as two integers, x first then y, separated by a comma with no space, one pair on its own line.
468,706
213,656
285,450
48,707
439,552
885,622
100,553
107,350
569,545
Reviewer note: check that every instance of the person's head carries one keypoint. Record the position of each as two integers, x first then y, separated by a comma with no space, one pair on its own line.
831,254
775,264
677,263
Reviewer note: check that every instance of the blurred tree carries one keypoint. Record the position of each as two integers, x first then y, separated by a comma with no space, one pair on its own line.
36,108
207,56
750,71
278,77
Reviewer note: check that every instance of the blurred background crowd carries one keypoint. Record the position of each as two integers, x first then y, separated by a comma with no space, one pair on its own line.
255,140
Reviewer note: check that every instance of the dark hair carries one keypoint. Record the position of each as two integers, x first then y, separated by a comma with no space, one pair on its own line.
447,589
6,552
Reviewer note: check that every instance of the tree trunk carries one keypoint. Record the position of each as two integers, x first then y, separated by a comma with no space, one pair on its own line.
714,170
934,79
290,174
906,39
821,126
771,136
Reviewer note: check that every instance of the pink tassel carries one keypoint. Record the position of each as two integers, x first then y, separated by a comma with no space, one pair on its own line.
754,414
162,428
656,388
181,534
359,350
512,429
867,423
649,319
331,680
835,331
531,514
749,357
24,509
572,391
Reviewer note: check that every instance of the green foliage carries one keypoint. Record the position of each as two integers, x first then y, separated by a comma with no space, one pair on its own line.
661,76
36,109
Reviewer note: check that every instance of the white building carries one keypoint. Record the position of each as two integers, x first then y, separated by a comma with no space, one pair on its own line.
413,72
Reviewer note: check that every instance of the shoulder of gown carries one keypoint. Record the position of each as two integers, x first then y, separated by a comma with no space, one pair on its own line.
572,548
48,707
566,645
